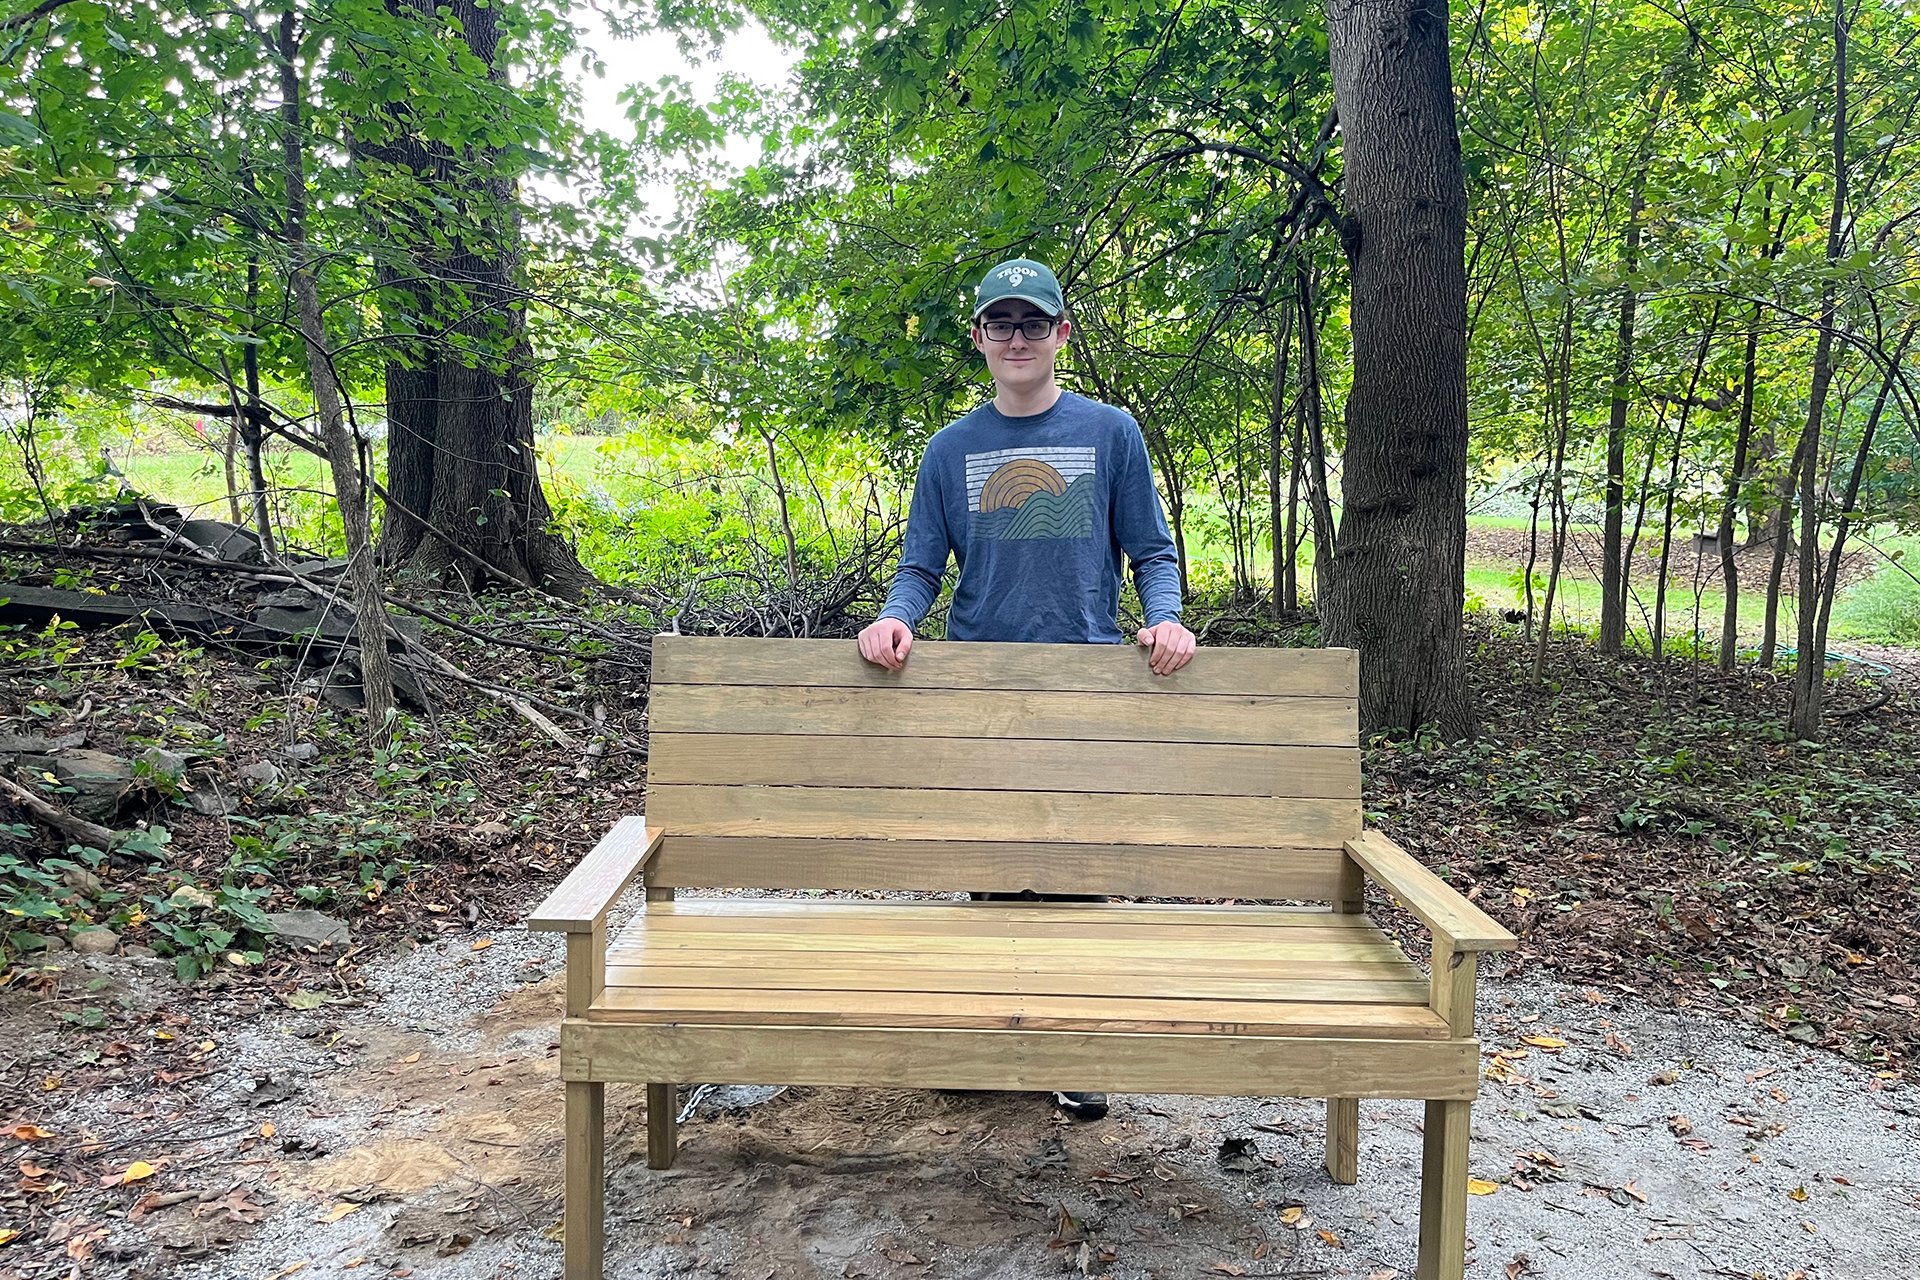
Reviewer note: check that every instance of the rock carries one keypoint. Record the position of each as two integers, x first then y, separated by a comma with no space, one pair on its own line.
100,781
97,940
14,744
308,928
289,598
164,763
301,751
83,880
189,895
492,832
209,795
261,775
134,951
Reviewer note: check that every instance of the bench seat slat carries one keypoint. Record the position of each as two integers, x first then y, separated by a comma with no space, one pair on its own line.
998,1009
986,924
1169,913
941,1058
976,665
986,715
1408,987
1133,961
879,814
1010,764
1183,871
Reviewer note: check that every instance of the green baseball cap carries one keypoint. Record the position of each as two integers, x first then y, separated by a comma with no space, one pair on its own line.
1021,278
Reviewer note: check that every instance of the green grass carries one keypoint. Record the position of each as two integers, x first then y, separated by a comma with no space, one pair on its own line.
1883,609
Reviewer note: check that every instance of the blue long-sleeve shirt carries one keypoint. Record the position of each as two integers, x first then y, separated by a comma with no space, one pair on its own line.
1038,512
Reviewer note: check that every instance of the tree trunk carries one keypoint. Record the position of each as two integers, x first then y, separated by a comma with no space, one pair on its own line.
1286,587
460,457
1810,668
1399,579
252,434
1782,521
1319,498
1736,483
376,672
1613,571
1673,485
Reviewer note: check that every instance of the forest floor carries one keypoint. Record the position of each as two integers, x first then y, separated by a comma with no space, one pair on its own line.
1715,920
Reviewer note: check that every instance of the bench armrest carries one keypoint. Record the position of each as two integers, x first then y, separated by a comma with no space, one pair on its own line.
584,897
1457,923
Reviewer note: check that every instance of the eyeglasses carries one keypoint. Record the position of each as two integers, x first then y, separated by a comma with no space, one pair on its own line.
1033,329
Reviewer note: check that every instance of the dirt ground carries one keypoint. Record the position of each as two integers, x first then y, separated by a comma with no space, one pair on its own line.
417,1132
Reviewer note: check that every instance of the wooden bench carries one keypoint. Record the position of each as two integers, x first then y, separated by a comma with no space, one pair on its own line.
791,764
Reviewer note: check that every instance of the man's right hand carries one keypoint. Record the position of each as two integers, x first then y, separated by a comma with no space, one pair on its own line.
886,643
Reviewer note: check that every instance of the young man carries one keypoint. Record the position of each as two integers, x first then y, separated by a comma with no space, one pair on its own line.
1037,494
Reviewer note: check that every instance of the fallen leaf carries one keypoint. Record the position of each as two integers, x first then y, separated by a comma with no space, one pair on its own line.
901,1256
412,1057
1329,1239
1520,1265
1225,1269
305,999
266,1129
1385,1273
138,1171
1481,1187
1797,1195
1544,1042
28,1133
340,1211
1635,1192
288,1270
1291,1215
481,944
50,1084
9,1234
1680,1125
1761,1074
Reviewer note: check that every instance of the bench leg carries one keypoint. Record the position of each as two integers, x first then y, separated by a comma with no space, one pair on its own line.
663,1126
586,1185
1343,1140
1443,1192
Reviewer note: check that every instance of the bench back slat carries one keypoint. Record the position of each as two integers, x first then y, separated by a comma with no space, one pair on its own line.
1060,768
1183,768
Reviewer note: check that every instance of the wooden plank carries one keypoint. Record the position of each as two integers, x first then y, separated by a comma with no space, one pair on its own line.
1008,764
1437,904
1006,924
590,888
997,866
584,1215
1368,987
940,1058
1343,1140
977,714
1443,1190
1184,914
857,813
1200,947
1387,965
974,665
771,1007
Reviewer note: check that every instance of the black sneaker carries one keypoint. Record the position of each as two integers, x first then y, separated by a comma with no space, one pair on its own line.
1082,1106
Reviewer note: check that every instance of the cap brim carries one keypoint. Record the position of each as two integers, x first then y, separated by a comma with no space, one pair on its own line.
1042,303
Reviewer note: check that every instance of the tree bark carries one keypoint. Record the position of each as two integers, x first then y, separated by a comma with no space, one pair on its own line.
1810,666
460,453
376,669
1399,579
1286,588
1613,574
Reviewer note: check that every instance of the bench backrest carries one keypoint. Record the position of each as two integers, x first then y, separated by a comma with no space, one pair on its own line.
1059,768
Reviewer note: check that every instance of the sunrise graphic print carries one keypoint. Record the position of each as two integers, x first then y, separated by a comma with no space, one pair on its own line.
1021,494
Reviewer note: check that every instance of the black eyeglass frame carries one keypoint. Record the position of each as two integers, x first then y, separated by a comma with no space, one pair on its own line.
1024,326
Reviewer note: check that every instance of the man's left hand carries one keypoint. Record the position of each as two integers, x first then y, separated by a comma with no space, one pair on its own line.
1169,646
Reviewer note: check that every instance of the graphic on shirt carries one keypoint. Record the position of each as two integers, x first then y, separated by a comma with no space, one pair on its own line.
1018,494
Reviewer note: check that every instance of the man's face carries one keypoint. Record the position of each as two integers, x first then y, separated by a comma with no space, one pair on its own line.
1020,363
